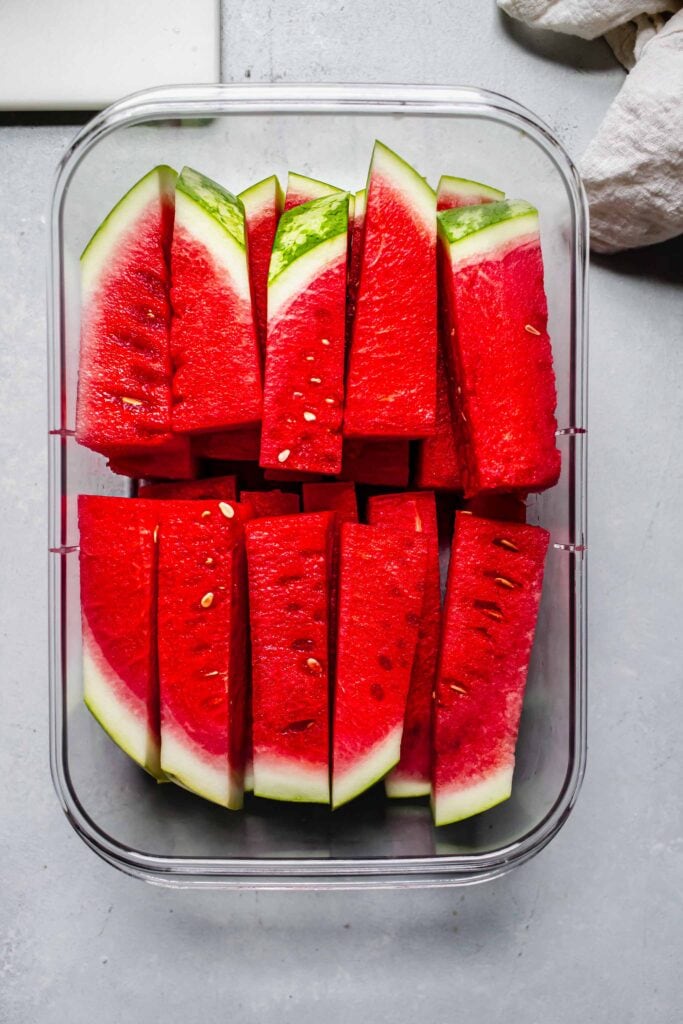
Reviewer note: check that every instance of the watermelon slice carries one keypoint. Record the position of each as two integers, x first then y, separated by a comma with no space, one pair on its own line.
355,254
289,585
124,392
494,589
262,208
381,588
117,563
499,350
304,379
456,192
301,189
438,462
229,446
379,463
172,460
222,488
339,498
271,503
202,626
416,513
391,386
217,374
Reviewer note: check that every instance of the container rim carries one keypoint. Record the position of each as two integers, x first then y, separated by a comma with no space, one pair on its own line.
193,101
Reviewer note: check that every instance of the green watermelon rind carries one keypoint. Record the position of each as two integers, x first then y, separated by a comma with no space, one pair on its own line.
186,764
313,187
478,232
389,165
128,730
260,194
367,769
309,238
449,184
463,802
290,780
216,219
97,254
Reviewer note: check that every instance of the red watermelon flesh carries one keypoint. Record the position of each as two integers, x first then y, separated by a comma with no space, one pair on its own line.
222,488
499,349
202,624
290,561
304,377
262,207
339,498
216,360
172,460
272,503
492,599
416,513
117,570
124,377
378,463
508,507
438,461
391,385
283,477
381,593
229,446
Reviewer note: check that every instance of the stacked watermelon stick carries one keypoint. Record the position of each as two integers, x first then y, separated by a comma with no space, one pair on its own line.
415,514
438,459
304,379
494,590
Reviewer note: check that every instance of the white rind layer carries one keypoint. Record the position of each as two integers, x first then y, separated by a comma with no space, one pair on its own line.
360,203
97,255
398,786
187,764
283,778
465,189
259,196
494,242
224,250
367,769
121,719
300,273
312,188
405,179
460,802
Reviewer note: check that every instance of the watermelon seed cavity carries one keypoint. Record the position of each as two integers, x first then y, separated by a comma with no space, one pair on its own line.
131,401
284,455
503,542
207,600
227,510
532,330
310,417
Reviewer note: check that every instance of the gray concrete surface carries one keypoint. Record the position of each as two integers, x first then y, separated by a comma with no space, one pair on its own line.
591,930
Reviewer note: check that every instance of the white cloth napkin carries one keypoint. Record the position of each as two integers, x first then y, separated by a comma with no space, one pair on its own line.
633,168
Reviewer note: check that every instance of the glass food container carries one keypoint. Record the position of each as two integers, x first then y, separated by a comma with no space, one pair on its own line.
238,135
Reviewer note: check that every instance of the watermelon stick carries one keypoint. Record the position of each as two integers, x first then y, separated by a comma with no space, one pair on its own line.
262,208
391,386
381,587
117,574
339,498
498,347
290,559
416,513
304,378
217,373
301,189
492,599
124,374
438,458
202,627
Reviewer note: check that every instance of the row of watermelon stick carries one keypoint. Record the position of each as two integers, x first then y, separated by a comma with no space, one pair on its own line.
354,676
380,318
